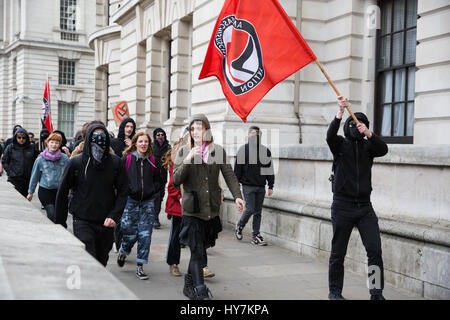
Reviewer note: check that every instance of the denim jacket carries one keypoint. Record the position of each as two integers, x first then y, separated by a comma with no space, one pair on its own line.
47,172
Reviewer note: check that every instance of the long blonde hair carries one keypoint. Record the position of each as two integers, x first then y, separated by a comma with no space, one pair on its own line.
133,147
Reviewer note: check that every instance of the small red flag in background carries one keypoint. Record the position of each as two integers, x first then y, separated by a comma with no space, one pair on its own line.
46,119
254,46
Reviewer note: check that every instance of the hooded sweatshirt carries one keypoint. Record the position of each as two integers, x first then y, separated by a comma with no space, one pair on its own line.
201,190
118,144
353,161
99,189
253,166
18,159
159,151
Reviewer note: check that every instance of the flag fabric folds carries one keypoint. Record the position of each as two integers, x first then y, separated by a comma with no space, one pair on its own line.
46,119
254,46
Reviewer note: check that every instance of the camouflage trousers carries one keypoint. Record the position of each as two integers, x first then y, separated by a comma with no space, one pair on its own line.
137,225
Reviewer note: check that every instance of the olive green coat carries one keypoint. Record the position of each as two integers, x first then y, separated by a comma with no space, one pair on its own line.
202,179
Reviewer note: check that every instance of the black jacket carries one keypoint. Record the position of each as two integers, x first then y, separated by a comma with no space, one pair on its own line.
159,152
18,159
143,181
353,161
118,144
99,190
253,165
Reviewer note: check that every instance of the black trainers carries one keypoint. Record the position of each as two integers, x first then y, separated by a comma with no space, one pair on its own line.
156,225
238,232
259,240
140,273
121,259
335,296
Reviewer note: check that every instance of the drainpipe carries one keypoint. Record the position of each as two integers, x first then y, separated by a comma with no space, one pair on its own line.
298,22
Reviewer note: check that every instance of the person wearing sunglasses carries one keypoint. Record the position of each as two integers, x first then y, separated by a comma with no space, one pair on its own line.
18,161
351,186
99,191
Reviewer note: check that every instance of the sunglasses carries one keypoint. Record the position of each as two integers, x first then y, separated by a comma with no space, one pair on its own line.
160,134
101,134
21,137
352,124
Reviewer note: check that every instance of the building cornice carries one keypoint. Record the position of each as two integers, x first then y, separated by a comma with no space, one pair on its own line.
103,32
44,44
120,14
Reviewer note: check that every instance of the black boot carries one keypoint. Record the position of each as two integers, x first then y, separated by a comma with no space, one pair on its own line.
202,292
188,289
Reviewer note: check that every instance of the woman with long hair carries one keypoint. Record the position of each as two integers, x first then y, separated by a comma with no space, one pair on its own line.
197,167
47,170
144,178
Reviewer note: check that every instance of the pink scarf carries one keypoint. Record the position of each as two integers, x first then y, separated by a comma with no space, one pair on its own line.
205,152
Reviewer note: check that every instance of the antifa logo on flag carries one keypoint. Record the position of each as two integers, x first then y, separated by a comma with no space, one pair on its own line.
242,63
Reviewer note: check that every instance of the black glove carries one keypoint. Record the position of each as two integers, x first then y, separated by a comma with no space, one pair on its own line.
169,216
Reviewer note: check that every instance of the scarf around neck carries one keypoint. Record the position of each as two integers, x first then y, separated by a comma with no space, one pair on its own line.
205,152
47,155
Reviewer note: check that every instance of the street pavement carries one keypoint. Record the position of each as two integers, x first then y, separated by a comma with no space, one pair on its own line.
243,271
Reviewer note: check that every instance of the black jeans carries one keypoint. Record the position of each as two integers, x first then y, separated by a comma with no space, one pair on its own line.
97,238
174,248
20,184
345,216
158,202
254,198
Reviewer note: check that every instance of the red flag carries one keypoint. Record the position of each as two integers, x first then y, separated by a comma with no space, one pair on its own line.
46,111
254,46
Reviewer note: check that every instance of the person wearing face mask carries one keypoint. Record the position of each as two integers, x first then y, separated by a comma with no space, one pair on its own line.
99,191
160,146
144,179
18,160
47,170
253,168
351,207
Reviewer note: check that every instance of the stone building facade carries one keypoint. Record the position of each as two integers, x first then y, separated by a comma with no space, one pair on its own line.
40,38
391,58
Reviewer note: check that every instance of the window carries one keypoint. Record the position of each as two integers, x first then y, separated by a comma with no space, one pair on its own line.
67,20
66,116
68,15
396,58
66,72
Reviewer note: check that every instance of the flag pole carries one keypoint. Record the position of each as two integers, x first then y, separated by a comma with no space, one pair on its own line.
335,89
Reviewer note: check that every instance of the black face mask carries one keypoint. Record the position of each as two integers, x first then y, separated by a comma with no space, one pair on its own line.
355,134
98,145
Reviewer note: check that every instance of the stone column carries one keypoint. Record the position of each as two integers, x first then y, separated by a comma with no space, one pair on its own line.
132,71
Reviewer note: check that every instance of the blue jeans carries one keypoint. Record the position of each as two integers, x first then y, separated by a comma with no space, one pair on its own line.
137,225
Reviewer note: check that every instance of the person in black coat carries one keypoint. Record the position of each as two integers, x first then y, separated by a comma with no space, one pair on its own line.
127,130
99,193
254,169
18,160
351,207
10,140
160,146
